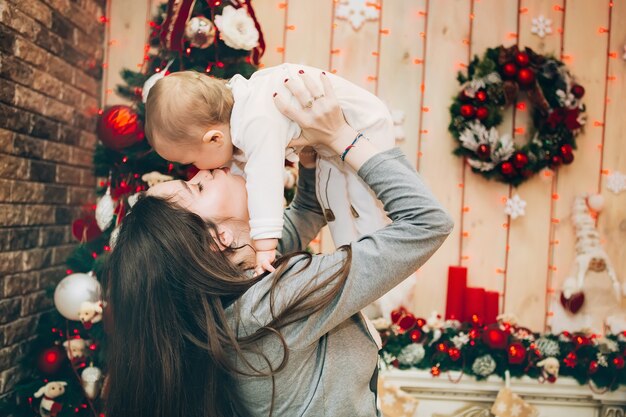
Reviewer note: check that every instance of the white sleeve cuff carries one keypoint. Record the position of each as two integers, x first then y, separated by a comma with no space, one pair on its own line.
266,229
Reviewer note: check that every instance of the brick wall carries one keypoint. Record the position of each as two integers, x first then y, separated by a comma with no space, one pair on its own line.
50,70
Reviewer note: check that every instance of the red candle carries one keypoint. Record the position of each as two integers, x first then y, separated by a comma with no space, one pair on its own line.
492,299
474,304
457,283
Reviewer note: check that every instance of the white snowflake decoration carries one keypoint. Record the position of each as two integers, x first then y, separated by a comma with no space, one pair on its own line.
616,182
471,87
476,134
515,207
460,340
542,26
357,12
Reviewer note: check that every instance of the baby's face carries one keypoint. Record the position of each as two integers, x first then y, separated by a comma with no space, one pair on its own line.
204,154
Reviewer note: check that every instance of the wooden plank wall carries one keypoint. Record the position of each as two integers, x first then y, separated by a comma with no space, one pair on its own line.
409,57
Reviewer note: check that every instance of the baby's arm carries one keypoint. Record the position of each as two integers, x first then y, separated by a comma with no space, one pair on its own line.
265,151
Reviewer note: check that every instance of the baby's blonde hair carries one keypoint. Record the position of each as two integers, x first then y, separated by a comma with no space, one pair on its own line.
183,105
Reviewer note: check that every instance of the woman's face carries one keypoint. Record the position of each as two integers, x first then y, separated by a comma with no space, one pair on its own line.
213,195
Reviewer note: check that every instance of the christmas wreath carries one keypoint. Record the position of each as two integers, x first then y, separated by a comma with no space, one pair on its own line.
495,82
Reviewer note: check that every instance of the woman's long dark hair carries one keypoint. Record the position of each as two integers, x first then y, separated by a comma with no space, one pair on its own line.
170,351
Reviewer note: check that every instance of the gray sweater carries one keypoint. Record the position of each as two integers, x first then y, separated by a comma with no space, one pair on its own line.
332,366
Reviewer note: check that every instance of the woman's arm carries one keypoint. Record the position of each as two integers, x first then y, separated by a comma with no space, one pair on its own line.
304,217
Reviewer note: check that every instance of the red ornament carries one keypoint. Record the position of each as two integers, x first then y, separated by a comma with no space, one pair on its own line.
507,169
525,77
520,160
495,337
435,371
555,161
407,322
467,111
571,119
522,59
574,303
119,127
51,359
454,354
420,323
481,95
618,362
509,70
415,335
593,367
517,353
483,152
482,113
473,334
578,90
86,229
566,154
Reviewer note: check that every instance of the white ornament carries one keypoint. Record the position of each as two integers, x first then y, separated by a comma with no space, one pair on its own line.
237,28
105,210
150,82
50,392
72,290
616,182
357,12
91,380
460,340
542,26
515,207
411,354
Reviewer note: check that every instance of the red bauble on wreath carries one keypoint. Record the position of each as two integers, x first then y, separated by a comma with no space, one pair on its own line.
499,80
119,127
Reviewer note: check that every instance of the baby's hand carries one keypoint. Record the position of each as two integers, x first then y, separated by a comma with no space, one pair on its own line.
264,259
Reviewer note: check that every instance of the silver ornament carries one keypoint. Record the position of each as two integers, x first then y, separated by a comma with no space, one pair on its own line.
72,290
91,380
411,354
105,210
200,32
484,365
547,347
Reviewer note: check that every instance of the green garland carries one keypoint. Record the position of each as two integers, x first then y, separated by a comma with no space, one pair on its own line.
481,351
494,83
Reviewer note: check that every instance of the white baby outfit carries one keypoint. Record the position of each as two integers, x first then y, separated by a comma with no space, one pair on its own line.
262,133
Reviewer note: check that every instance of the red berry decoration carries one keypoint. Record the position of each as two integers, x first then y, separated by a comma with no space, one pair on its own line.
119,127
520,160
482,113
483,151
507,169
481,95
495,337
566,154
525,77
435,371
467,111
556,160
571,360
454,354
522,59
578,90
517,353
618,362
593,367
415,335
509,70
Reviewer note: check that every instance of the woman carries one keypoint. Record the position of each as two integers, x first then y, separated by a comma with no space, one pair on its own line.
195,334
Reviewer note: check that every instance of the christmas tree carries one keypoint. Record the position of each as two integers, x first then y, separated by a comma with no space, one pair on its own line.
217,38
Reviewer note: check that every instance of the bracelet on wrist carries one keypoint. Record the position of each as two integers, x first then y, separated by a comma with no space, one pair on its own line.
352,145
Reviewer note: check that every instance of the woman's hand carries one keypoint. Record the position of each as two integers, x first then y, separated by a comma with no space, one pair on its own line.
318,114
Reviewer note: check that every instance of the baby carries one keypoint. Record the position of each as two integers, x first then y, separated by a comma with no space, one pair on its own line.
195,119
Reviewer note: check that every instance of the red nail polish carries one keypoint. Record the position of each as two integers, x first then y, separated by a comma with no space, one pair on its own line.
286,79
274,95
301,72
